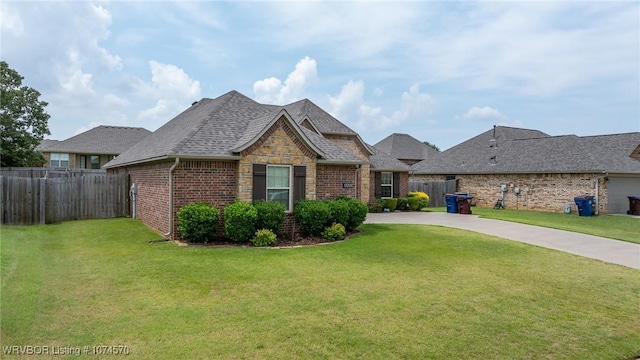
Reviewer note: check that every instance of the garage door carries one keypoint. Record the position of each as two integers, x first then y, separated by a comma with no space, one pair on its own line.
618,190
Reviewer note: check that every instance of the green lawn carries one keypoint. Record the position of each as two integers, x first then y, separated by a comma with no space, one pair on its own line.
394,291
624,228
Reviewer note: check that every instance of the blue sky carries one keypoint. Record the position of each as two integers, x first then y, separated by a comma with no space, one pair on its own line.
439,71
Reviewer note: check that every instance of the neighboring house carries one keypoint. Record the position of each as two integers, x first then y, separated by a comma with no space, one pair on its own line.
232,147
406,148
91,149
541,172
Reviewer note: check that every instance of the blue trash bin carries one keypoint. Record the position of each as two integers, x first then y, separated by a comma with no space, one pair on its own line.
584,204
452,203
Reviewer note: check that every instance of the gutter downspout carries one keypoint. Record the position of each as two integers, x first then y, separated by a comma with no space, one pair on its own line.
173,167
597,188
597,202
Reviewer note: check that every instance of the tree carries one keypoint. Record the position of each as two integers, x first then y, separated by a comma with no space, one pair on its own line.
431,145
23,121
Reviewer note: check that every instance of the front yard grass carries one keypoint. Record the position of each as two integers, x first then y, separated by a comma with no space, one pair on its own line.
610,226
394,291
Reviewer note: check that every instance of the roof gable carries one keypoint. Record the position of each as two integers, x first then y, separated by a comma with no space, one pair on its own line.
221,128
405,147
261,125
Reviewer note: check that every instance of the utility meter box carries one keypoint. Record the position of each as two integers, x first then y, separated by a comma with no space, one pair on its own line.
516,191
503,188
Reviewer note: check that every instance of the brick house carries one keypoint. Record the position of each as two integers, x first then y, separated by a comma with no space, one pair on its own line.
233,147
541,172
91,149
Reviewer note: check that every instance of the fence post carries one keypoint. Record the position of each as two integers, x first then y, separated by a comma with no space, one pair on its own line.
42,182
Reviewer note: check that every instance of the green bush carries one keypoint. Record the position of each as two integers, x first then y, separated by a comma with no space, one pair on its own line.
403,204
312,216
357,213
198,222
424,198
270,215
334,232
240,221
376,206
263,237
414,203
391,203
340,211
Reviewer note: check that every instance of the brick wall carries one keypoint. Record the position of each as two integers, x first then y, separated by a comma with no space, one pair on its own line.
404,186
279,145
545,192
353,145
330,180
193,181
152,181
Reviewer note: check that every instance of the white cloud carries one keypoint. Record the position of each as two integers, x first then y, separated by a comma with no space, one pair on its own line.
484,113
350,106
111,100
171,89
273,91
345,31
539,49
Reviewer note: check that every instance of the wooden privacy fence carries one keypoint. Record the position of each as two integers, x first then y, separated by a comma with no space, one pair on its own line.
38,172
48,200
435,189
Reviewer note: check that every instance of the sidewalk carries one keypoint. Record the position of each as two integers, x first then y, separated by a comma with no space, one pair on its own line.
595,247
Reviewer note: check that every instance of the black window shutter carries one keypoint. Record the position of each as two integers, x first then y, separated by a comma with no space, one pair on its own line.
377,185
299,182
396,185
259,182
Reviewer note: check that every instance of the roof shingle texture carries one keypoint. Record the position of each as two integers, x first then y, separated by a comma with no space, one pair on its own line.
381,161
215,128
104,139
530,151
406,147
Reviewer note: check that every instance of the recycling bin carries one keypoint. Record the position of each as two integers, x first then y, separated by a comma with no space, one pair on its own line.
464,204
452,203
634,205
584,204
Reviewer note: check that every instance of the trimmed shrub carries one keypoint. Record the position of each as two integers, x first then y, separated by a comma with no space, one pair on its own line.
391,204
270,215
198,222
240,221
414,203
334,232
376,206
403,204
340,211
263,237
357,213
312,216
424,198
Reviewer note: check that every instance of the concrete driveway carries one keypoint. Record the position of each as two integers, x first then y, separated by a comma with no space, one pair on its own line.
595,247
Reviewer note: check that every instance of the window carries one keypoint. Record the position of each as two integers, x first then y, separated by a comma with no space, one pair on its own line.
279,184
95,161
386,184
83,162
59,160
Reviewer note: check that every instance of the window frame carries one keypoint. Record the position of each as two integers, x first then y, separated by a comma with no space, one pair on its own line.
289,189
383,185
91,163
59,158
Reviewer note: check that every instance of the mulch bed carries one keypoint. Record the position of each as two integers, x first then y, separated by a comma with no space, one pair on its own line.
281,242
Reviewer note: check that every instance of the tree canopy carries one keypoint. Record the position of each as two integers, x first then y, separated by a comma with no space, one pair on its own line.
431,145
23,121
